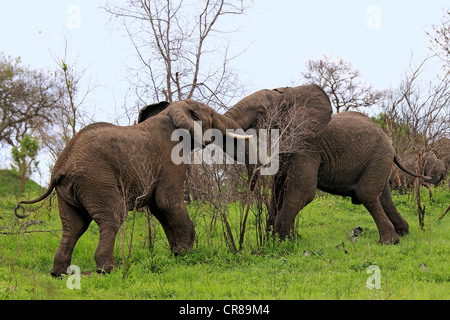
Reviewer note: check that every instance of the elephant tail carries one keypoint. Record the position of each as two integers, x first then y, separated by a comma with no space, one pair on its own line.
425,178
42,197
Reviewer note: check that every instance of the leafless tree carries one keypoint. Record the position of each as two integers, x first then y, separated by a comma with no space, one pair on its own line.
214,187
73,98
440,39
342,82
182,49
421,109
71,114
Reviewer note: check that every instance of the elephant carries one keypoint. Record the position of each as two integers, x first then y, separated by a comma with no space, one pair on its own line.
431,166
344,154
107,170
441,147
434,167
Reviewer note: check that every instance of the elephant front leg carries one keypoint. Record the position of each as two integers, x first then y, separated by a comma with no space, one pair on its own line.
276,200
384,225
169,208
400,225
177,226
109,221
167,205
104,254
295,200
299,189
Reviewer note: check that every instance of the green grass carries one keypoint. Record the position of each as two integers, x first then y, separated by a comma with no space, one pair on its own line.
313,265
10,185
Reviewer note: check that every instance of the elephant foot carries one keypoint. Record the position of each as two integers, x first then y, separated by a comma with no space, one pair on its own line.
402,232
181,249
389,239
282,236
180,253
60,265
106,267
283,231
58,272
180,244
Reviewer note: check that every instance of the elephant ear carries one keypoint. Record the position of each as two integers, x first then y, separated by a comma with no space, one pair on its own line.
186,115
309,108
152,110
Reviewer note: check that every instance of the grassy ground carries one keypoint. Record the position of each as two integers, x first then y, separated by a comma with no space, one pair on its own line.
320,263
9,184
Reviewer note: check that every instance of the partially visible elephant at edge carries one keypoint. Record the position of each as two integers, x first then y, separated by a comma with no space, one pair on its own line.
107,170
431,166
344,154
441,147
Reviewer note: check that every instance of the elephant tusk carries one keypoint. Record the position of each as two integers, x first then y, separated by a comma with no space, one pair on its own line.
239,136
198,132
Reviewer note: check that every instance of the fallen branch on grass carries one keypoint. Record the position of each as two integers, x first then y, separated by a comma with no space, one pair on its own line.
24,226
30,231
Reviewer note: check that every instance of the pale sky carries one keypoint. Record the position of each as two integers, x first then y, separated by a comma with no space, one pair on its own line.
377,36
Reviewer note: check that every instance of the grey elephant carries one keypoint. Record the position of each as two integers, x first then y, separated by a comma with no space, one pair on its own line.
431,166
344,154
107,170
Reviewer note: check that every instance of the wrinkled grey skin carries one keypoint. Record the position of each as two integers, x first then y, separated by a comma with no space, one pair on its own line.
431,165
107,170
344,154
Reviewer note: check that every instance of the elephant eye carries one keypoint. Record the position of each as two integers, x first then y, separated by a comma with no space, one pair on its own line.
195,116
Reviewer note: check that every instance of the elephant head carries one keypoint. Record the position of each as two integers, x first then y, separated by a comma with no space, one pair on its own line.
188,114
309,105
299,113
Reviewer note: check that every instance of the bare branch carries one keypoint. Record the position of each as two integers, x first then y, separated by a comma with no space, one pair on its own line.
176,57
342,82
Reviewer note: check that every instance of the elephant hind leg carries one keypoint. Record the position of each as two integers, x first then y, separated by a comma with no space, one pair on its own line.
75,222
109,223
400,224
369,191
384,225
300,189
104,254
109,211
